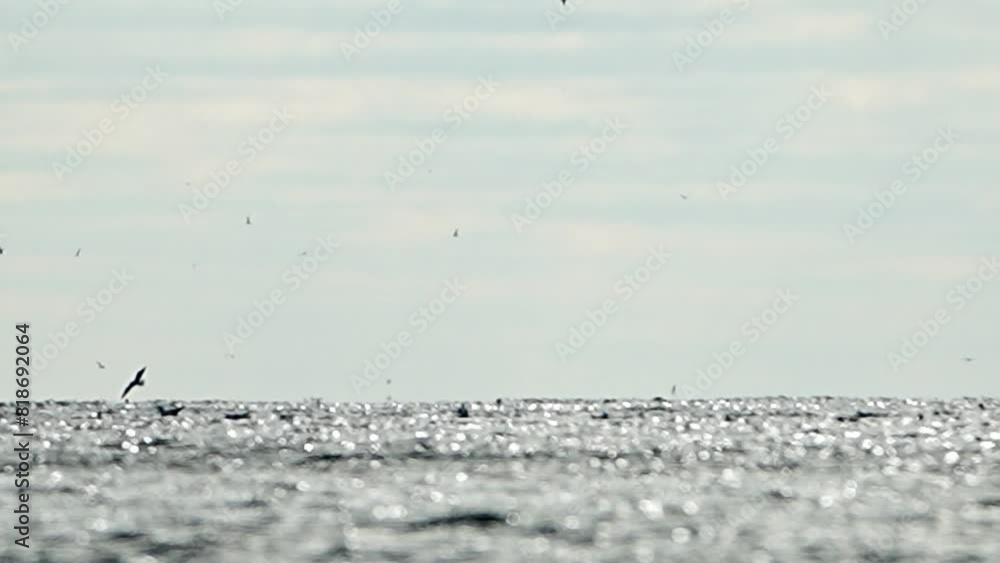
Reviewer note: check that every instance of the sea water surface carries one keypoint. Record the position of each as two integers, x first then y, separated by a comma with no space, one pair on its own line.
755,480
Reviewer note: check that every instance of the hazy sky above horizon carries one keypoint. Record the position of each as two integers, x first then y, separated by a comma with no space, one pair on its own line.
526,287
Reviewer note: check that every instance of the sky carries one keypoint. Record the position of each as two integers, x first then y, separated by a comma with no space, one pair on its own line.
739,198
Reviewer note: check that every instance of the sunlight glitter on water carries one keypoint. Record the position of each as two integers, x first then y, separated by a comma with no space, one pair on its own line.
774,479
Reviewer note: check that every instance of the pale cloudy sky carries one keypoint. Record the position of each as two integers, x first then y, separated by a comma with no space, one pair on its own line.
558,82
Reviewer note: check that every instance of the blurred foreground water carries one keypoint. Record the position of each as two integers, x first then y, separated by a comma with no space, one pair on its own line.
756,480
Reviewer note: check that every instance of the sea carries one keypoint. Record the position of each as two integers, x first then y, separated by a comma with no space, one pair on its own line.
757,480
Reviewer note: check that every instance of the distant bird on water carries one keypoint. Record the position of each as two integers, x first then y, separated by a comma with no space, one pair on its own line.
248,220
1,251
137,380
684,196
968,359
78,252
455,234
169,411
100,365
673,390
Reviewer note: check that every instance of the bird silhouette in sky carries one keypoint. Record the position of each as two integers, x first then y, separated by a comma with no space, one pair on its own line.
137,380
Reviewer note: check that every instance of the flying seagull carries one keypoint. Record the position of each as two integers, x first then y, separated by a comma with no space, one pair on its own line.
78,252
100,365
1,250
135,381
968,359
455,234
684,196
248,220
673,390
